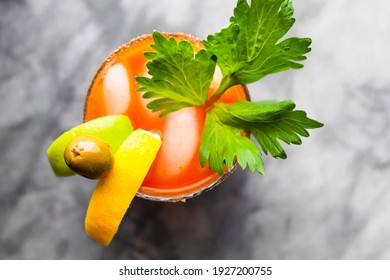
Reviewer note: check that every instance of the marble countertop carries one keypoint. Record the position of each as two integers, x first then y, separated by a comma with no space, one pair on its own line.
329,200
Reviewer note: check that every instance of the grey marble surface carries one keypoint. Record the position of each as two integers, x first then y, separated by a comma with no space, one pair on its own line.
329,200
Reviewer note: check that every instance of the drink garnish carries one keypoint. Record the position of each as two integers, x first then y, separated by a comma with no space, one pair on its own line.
247,50
180,79
114,193
112,129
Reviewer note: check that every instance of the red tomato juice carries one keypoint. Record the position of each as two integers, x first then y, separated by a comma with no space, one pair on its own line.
176,172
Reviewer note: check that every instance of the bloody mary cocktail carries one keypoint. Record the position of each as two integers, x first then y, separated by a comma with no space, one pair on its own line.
176,173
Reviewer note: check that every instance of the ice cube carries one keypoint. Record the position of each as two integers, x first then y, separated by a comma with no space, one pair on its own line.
116,90
181,137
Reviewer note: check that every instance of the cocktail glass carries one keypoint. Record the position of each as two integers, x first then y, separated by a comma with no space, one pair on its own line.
176,174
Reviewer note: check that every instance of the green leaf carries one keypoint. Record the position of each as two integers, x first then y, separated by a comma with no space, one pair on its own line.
222,144
250,47
269,122
180,78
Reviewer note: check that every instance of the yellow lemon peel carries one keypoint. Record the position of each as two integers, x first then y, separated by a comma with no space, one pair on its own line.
113,194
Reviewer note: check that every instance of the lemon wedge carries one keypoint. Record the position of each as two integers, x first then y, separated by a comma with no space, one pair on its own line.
113,194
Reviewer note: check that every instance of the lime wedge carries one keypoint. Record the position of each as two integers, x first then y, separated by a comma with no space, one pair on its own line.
112,129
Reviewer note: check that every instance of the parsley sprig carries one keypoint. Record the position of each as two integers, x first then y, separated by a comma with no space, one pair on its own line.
249,49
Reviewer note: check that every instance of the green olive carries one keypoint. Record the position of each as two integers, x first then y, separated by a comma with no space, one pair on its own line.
89,156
